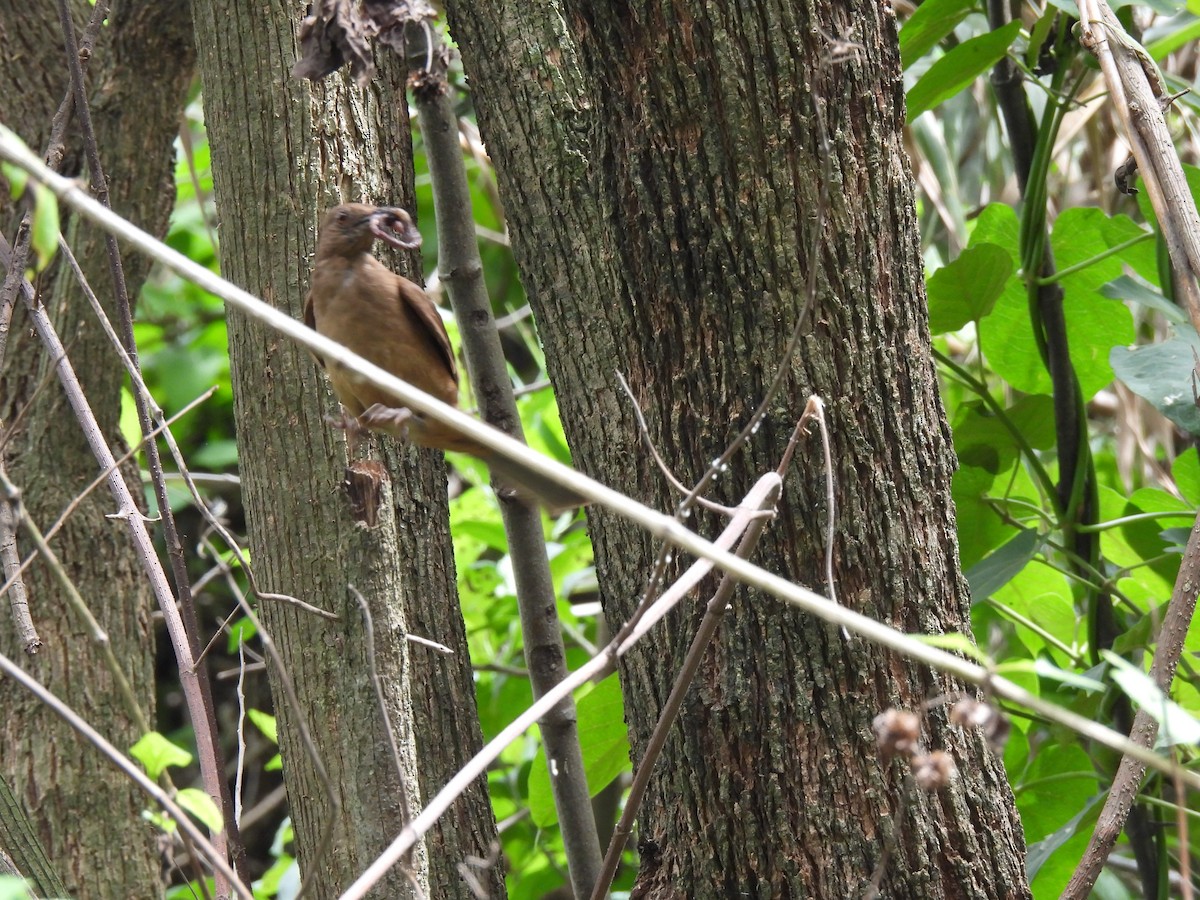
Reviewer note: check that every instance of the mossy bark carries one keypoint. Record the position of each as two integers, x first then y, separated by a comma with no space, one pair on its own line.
660,164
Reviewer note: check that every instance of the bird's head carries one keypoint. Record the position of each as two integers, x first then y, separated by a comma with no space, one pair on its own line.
351,228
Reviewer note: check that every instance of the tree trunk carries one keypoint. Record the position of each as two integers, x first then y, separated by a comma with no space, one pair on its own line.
282,152
660,169
88,814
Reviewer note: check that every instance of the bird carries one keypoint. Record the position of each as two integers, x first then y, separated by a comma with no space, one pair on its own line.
359,302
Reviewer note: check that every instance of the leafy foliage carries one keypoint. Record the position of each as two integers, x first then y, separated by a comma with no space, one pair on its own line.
1130,351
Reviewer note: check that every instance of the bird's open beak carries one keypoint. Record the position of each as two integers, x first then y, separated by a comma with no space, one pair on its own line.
395,226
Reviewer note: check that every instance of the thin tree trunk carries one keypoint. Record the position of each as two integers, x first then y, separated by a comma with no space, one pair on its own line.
660,170
88,815
282,153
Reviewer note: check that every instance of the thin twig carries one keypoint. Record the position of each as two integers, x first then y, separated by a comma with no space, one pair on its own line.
203,713
95,483
727,511
18,602
713,614
75,600
593,668
402,775
657,524
545,653
215,858
1128,780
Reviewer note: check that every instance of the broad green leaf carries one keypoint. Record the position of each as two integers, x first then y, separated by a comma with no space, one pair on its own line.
1041,595
1186,472
1002,565
1060,782
1050,847
284,869
1095,324
200,805
1162,374
1176,38
1006,338
240,632
156,753
17,178
997,224
605,744
1178,727
264,722
980,530
192,890
984,439
1135,289
959,68
929,23
966,289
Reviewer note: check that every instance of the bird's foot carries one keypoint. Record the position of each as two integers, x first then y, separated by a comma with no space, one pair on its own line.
390,419
355,431
343,421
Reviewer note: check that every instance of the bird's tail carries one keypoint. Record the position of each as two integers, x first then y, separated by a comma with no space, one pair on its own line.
530,484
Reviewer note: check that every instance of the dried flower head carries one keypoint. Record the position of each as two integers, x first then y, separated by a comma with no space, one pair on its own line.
897,731
934,771
971,713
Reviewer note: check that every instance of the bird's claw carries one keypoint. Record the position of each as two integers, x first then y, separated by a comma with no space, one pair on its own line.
393,420
343,421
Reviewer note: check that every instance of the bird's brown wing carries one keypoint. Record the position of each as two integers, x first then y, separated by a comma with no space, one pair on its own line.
310,319
425,312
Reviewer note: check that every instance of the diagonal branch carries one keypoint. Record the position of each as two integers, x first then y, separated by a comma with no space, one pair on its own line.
655,523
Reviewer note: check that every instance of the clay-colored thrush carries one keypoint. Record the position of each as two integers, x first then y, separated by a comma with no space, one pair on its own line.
358,301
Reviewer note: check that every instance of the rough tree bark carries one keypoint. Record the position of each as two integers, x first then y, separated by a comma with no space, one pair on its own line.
88,814
282,152
660,169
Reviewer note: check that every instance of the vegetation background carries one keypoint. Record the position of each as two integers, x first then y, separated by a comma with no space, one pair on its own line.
1056,577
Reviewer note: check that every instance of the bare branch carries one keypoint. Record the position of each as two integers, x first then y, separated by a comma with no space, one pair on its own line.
655,523
215,858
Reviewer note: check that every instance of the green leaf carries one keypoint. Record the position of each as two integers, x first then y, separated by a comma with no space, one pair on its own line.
1002,565
283,868
265,722
605,744
13,888
191,890
953,642
1041,851
967,289
1135,289
1175,38
982,438
200,805
17,177
1095,324
1162,374
156,753
1186,472
45,225
959,68
929,23
240,632
1177,726
44,238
